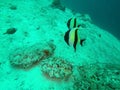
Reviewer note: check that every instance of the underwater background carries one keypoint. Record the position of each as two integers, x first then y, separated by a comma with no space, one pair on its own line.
105,14
46,45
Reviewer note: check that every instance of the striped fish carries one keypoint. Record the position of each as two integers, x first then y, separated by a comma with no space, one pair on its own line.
72,38
72,23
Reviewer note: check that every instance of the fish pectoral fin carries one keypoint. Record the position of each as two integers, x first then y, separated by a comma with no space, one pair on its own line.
82,41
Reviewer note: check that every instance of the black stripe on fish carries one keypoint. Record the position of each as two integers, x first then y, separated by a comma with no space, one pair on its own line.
68,23
76,39
66,37
74,23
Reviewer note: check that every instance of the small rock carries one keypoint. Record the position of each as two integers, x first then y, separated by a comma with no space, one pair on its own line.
10,31
13,7
57,4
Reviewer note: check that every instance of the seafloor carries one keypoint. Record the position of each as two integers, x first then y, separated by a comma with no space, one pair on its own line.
34,55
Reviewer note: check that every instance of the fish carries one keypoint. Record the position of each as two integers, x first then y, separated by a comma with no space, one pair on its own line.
72,23
72,38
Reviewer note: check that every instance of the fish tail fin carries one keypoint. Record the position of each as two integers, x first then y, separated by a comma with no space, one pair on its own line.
78,26
82,41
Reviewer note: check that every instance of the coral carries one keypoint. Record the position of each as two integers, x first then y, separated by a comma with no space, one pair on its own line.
97,77
56,68
27,57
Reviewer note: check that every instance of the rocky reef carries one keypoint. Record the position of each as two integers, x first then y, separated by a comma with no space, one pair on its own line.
56,68
97,77
26,57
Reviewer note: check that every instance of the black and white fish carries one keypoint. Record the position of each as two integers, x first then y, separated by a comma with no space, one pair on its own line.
72,38
73,23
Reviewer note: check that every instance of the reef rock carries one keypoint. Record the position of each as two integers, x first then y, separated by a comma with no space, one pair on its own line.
26,57
98,77
56,68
